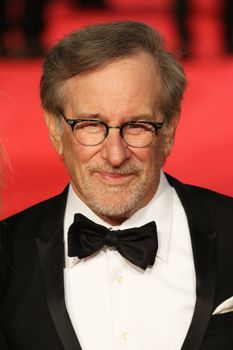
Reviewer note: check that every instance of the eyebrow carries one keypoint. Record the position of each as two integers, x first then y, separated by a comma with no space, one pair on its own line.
140,117
86,116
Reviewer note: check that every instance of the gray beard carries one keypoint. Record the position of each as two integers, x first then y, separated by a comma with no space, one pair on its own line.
103,203
115,208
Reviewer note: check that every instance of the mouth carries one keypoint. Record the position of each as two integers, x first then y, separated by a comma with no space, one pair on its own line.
109,175
115,178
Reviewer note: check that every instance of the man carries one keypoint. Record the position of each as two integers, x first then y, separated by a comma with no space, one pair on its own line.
126,257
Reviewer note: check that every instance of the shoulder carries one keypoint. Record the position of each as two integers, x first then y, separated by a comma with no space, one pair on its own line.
208,196
22,228
37,213
205,205
213,200
18,233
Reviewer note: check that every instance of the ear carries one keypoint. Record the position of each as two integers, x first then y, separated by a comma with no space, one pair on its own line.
55,131
169,134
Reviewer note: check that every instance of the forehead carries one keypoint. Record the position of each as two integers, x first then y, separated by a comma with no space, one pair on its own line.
124,85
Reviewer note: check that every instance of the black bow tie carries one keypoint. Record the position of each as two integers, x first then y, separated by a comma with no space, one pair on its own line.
138,245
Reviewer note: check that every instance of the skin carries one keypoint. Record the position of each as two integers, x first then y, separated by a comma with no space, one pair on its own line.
112,178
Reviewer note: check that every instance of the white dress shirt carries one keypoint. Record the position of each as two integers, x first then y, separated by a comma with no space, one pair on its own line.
114,305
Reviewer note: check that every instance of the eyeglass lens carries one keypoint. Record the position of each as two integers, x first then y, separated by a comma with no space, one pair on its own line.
91,133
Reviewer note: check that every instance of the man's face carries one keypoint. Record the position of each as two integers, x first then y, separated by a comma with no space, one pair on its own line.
112,178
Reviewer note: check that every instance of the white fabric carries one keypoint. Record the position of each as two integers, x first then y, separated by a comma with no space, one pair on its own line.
115,305
224,307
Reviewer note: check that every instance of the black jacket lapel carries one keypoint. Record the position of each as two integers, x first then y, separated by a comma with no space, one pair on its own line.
204,246
51,254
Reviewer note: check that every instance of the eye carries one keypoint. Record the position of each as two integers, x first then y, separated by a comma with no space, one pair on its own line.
138,128
90,127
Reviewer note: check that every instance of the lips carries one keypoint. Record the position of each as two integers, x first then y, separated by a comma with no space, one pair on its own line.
114,177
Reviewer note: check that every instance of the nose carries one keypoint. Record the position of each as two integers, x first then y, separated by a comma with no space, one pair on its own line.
114,150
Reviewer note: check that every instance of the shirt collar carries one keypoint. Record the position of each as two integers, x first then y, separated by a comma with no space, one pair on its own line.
159,209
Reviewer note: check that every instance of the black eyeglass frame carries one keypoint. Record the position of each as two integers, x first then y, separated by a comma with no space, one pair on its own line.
72,122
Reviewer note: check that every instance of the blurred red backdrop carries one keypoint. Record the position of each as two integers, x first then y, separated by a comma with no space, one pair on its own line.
203,149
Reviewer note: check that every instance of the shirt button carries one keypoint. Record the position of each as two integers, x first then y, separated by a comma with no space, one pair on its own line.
120,279
125,336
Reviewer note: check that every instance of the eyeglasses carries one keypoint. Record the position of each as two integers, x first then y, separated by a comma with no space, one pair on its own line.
92,132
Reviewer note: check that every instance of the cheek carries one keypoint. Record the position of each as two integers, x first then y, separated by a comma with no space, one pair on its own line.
85,154
151,157
75,155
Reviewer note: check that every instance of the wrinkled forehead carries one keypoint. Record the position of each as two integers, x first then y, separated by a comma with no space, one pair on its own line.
130,81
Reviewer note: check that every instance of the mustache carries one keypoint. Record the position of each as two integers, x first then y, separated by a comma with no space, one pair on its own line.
124,169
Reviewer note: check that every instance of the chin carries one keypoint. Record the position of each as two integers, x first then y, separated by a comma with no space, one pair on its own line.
114,205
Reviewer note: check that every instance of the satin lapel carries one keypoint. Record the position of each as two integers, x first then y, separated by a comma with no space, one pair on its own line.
204,246
51,253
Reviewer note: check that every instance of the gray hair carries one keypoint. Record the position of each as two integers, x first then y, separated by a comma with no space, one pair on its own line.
92,46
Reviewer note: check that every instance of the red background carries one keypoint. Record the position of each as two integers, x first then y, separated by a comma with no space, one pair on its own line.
203,149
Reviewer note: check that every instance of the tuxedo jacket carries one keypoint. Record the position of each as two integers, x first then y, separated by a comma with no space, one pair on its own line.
33,314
